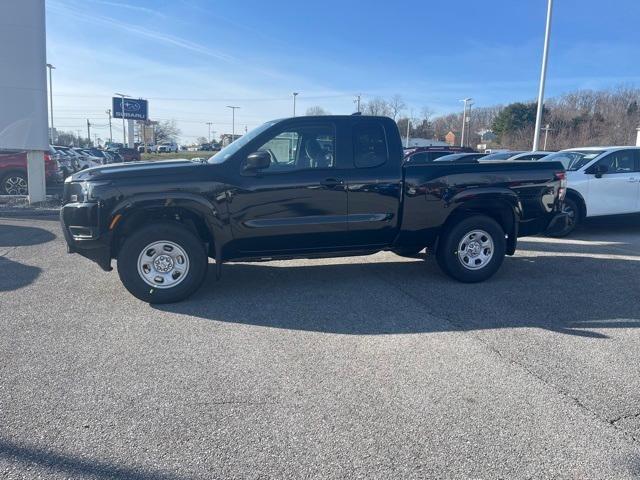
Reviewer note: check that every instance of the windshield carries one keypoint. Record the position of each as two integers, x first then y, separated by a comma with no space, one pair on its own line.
572,160
233,147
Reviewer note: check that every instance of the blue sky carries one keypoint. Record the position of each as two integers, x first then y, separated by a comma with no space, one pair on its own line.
191,58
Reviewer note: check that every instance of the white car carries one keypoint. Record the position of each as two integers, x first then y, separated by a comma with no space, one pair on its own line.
600,181
169,147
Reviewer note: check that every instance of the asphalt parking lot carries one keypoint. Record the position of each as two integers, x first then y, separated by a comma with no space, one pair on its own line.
365,367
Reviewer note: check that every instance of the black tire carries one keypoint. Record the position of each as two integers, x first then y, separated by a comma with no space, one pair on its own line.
451,263
14,183
572,208
137,243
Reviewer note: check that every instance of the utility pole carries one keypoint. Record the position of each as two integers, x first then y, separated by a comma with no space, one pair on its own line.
51,67
546,131
464,120
295,94
88,130
357,101
124,130
233,121
469,122
79,140
543,75
209,137
406,142
110,131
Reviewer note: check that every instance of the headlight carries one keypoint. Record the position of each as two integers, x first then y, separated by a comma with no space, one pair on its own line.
91,190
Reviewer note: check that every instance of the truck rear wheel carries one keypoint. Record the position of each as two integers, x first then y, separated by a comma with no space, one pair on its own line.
472,250
162,263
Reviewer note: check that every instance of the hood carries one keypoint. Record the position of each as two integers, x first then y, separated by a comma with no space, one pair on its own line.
166,168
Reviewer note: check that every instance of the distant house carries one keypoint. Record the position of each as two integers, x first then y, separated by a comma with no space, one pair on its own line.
226,138
451,137
425,142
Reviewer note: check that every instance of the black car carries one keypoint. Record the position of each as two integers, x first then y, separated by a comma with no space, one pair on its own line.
417,155
302,187
461,158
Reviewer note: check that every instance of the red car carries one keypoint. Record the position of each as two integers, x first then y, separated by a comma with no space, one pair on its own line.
13,172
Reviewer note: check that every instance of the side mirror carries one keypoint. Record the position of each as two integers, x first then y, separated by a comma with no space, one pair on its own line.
257,161
599,170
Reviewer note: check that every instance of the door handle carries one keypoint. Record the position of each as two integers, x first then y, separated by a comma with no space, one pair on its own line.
331,182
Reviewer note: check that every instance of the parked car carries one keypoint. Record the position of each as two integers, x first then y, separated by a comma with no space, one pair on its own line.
128,154
168,147
86,159
13,172
461,158
416,155
70,158
529,156
601,181
304,187
503,155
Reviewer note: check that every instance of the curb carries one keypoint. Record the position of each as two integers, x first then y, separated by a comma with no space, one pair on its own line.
29,212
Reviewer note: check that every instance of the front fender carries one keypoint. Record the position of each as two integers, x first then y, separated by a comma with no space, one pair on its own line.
214,214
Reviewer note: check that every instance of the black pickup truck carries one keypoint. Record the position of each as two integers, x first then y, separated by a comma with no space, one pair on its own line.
304,187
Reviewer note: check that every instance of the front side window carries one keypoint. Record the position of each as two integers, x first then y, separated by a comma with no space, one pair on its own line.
369,145
301,148
619,162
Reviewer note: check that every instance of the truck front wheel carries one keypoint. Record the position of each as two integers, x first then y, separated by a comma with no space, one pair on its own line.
472,249
162,263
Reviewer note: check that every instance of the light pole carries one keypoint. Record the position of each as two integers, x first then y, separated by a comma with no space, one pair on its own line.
124,130
233,121
464,119
108,112
357,102
295,94
546,131
209,137
406,142
543,76
51,67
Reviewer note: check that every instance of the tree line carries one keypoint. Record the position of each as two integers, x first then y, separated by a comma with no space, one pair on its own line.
579,118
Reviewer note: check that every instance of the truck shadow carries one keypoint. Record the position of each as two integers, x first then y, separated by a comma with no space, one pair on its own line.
551,287
15,275
22,236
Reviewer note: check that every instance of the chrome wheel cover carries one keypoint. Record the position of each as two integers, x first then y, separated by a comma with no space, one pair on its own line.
163,264
16,185
475,250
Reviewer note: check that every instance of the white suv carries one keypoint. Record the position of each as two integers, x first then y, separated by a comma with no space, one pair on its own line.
601,181
170,147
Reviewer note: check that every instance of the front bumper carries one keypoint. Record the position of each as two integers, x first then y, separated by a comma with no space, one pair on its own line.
83,233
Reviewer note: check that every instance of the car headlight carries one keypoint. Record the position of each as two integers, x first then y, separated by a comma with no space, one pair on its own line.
91,190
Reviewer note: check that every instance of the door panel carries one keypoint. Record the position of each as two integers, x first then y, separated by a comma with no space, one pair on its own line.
299,202
374,186
617,191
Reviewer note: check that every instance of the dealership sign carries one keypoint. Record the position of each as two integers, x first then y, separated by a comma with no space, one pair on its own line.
134,109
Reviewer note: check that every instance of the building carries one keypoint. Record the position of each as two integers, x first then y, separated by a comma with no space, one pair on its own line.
226,138
425,142
451,137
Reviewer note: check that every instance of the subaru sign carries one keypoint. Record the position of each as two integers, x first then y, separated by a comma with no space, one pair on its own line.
134,109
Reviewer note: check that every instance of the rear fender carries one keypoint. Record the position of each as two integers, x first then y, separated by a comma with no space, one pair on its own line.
501,204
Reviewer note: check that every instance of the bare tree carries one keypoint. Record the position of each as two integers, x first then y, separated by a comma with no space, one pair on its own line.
167,131
396,105
377,106
317,110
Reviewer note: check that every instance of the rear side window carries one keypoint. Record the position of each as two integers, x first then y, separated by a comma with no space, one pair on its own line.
369,145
